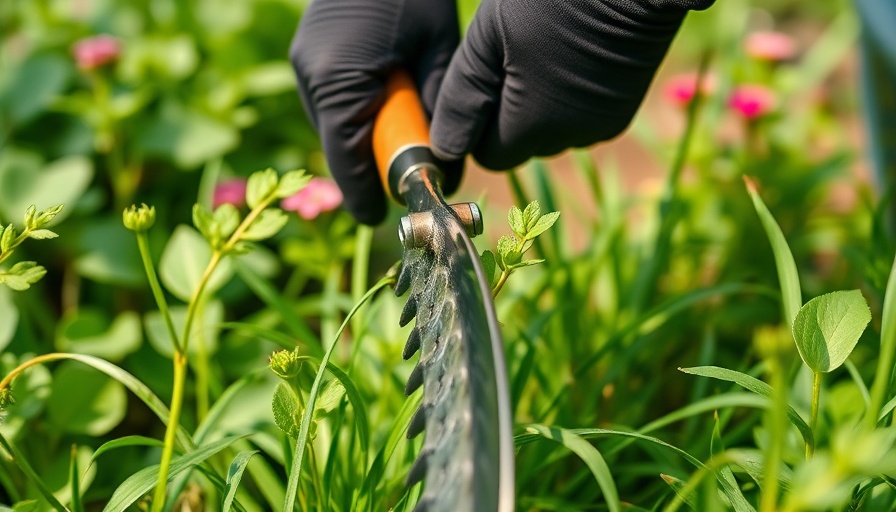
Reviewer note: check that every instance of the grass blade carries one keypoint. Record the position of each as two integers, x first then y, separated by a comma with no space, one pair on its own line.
292,486
124,442
19,459
217,411
144,480
881,384
590,456
755,385
234,475
74,476
791,296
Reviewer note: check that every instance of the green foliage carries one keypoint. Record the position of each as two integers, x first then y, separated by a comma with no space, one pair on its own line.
23,274
526,225
827,328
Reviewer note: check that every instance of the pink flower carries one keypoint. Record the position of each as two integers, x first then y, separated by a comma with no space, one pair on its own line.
752,101
232,191
319,195
770,46
680,89
93,52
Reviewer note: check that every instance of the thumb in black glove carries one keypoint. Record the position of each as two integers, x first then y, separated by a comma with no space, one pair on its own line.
343,53
534,77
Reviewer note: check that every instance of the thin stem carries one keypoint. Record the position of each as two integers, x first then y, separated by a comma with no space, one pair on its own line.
500,284
200,367
45,358
195,300
158,295
177,396
881,384
813,418
776,418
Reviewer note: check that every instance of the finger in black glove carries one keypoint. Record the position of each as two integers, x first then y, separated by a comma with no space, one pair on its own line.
342,54
534,77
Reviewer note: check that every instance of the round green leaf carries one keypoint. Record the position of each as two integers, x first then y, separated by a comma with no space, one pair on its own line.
85,401
89,331
21,186
827,328
110,254
184,261
204,330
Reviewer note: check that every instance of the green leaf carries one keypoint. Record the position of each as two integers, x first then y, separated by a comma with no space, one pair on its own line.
260,186
22,185
47,215
9,318
292,182
791,296
756,386
184,261
89,331
204,222
508,255
330,397
488,266
144,480
678,486
528,263
22,462
42,234
287,411
234,475
589,455
187,136
75,483
515,219
22,275
204,330
124,442
828,327
29,217
543,224
531,215
268,224
7,238
32,86
227,218
84,401
110,253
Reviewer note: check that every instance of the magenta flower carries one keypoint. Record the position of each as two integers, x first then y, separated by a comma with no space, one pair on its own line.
752,101
770,46
680,89
319,195
93,52
232,191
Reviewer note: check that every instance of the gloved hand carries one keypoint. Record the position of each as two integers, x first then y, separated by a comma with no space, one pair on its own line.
534,77
342,54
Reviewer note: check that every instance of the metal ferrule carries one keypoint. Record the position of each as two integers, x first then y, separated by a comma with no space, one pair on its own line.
405,162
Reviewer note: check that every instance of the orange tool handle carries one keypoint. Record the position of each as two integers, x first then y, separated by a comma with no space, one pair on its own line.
401,123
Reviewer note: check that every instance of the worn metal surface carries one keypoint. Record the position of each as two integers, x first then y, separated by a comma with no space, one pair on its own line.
466,461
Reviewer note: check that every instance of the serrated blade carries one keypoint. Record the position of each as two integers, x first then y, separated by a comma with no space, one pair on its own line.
466,461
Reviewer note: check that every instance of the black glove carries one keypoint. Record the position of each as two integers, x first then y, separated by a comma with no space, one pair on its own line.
534,77
343,52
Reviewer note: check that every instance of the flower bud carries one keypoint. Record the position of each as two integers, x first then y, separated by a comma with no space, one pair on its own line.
139,218
285,363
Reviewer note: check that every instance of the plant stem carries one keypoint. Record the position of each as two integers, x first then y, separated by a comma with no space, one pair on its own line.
776,426
813,418
500,284
177,395
143,245
881,384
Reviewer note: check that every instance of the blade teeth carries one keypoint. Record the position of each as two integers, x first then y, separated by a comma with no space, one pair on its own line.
413,344
404,279
418,470
418,422
415,380
409,311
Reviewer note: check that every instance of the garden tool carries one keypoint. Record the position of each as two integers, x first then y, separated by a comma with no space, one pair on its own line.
466,461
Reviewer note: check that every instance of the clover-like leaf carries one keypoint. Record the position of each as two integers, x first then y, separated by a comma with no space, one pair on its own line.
22,275
515,219
292,182
827,328
542,224
268,224
261,184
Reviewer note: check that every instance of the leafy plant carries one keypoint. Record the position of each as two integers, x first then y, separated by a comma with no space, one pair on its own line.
25,273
